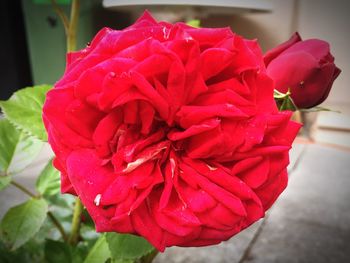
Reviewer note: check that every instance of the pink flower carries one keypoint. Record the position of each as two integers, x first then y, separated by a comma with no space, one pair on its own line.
305,67
170,132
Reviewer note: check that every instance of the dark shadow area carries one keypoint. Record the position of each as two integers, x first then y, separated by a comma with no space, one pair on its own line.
15,68
102,17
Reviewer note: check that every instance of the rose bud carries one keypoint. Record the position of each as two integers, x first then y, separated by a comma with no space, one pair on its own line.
306,67
169,132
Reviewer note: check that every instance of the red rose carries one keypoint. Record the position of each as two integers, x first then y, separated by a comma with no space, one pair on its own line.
170,132
305,67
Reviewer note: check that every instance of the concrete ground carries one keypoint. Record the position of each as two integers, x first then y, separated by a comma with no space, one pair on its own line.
309,223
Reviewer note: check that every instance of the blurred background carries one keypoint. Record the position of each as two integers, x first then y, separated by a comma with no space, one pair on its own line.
311,221
32,46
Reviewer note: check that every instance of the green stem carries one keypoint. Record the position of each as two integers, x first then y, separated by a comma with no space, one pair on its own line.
24,189
70,25
50,215
62,15
73,26
78,209
58,225
71,46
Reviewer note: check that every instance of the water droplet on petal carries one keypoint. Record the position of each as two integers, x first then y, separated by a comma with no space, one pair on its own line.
133,165
172,165
211,168
166,33
97,199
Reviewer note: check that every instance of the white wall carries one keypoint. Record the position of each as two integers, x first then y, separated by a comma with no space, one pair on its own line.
330,20
324,19
270,28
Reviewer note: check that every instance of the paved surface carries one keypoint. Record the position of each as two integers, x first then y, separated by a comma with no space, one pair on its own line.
309,223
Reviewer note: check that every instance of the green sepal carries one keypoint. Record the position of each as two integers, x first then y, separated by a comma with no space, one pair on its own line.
284,101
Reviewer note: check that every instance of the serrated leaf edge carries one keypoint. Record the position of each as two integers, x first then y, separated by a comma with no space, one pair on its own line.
18,127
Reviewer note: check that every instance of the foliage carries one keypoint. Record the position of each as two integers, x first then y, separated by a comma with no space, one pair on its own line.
48,182
127,247
24,109
37,230
17,150
21,222
194,23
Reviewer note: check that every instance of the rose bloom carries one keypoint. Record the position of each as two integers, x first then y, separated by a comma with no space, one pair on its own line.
305,67
169,132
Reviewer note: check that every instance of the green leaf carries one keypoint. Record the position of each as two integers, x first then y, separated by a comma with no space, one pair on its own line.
21,222
125,246
17,150
11,256
24,110
194,23
57,252
99,252
32,251
80,251
61,252
48,182
122,261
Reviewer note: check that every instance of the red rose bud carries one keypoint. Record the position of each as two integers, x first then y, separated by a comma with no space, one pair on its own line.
305,67
169,132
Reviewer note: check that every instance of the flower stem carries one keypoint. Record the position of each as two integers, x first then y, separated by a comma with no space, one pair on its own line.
58,225
62,15
73,26
70,25
71,46
49,214
78,209
24,189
